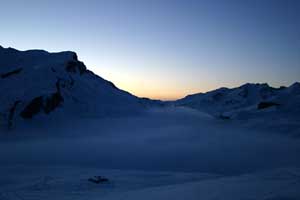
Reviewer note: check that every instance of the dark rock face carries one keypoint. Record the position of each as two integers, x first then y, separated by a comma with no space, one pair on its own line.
11,113
74,66
33,108
71,67
43,103
224,117
98,179
8,74
266,104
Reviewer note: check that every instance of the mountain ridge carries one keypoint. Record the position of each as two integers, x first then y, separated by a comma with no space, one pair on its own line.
37,82
248,98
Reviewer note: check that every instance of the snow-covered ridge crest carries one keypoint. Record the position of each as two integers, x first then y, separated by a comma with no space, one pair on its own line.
34,83
249,99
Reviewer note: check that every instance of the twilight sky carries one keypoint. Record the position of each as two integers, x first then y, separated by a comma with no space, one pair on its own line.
164,48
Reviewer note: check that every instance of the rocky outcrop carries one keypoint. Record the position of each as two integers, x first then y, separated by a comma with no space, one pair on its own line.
266,104
44,104
10,73
33,108
75,67
12,113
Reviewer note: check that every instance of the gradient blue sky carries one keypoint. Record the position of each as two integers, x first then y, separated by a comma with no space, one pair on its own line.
165,48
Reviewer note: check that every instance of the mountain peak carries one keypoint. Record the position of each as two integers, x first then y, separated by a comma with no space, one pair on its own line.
37,82
296,84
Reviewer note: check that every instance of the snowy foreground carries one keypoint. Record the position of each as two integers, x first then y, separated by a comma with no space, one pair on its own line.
167,153
71,183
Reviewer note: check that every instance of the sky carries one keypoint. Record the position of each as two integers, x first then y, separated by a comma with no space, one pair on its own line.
164,49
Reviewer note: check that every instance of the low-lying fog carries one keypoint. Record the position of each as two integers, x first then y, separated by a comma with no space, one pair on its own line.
168,139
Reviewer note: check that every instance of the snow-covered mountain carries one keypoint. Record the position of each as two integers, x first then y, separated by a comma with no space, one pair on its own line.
249,99
35,83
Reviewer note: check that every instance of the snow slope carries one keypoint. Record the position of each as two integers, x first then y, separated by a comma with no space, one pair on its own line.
65,182
282,184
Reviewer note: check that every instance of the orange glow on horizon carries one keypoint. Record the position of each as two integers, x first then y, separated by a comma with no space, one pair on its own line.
160,92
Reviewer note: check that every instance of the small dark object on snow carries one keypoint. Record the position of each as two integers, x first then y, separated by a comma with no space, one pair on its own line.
266,104
98,179
224,117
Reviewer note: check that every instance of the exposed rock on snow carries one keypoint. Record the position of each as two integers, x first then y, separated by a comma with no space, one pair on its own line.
98,179
266,104
8,74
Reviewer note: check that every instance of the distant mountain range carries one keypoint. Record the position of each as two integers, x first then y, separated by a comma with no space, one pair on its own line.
249,98
37,83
